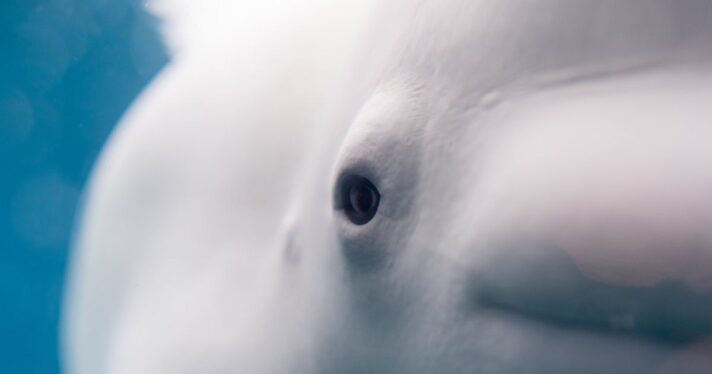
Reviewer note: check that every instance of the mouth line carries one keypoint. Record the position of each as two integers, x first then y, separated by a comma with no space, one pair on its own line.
625,326
550,289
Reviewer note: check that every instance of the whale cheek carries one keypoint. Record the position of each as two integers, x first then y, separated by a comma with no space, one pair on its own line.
581,216
613,171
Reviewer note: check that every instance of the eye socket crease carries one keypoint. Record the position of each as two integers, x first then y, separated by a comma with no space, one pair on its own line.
358,198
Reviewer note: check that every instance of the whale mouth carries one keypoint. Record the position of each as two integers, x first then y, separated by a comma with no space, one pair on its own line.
546,286
518,342
532,327
668,327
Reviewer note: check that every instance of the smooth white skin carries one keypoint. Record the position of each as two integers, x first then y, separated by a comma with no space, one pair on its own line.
209,243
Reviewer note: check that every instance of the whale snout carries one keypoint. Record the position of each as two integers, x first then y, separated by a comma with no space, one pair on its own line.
587,230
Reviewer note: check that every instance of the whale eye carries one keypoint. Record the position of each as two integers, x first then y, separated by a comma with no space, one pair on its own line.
358,198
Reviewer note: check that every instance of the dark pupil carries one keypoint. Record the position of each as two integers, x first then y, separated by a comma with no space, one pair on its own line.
359,199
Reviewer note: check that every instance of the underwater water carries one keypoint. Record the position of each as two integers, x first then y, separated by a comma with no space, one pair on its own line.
68,70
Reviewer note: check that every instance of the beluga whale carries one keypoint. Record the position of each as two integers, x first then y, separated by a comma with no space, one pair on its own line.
413,186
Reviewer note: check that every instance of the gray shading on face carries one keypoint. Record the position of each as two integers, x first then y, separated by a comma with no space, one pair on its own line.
540,265
506,187
533,213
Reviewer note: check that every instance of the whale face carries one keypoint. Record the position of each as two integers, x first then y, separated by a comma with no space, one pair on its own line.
435,186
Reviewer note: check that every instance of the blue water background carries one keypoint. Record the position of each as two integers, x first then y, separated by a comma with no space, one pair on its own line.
68,70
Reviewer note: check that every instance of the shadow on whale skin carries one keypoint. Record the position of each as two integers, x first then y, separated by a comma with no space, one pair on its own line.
416,187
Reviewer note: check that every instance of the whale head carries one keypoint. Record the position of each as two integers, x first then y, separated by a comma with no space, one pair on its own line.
416,187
